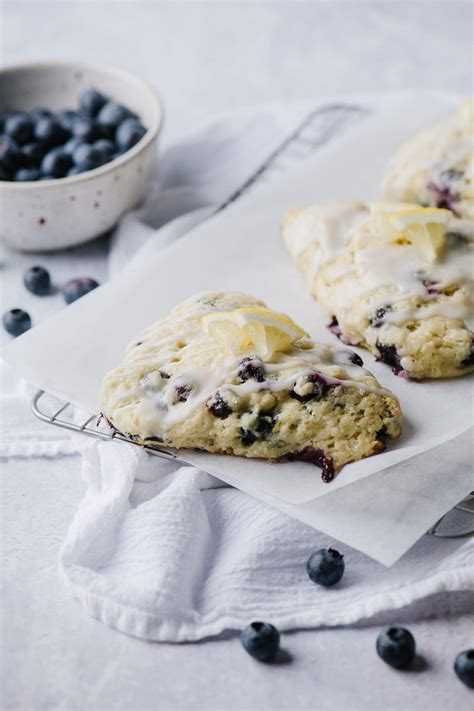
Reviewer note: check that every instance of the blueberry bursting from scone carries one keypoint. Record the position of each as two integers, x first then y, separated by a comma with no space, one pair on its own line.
181,387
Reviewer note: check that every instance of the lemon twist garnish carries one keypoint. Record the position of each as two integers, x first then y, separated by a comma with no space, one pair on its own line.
407,224
378,207
262,330
424,227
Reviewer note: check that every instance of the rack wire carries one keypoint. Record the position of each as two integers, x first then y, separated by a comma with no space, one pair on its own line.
94,426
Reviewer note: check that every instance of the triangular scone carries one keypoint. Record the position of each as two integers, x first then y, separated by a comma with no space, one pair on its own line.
391,277
180,387
436,166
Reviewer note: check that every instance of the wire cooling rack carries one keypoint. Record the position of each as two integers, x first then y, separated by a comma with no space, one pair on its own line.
63,414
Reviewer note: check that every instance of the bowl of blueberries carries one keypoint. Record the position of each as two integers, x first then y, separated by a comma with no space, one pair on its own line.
77,149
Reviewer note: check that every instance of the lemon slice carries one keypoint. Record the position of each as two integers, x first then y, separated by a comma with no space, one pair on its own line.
425,228
263,330
378,207
466,111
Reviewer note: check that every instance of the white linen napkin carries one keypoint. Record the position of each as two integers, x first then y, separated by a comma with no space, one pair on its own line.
168,553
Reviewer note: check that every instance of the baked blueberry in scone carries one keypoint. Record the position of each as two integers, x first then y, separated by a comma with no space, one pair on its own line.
436,167
223,373
392,277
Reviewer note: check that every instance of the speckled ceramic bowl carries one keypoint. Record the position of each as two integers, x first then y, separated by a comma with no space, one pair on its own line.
54,214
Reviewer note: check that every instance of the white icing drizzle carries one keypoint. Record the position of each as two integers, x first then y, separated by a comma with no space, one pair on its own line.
377,264
175,367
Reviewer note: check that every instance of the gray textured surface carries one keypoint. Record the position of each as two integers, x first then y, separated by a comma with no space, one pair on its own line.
206,58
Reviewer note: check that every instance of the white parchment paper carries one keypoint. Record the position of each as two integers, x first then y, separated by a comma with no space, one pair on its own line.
241,249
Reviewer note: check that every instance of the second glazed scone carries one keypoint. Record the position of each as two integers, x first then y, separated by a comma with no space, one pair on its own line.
436,166
188,382
395,278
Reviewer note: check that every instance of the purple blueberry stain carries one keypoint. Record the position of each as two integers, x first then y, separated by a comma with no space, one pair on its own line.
334,327
432,287
182,392
318,458
251,368
442,189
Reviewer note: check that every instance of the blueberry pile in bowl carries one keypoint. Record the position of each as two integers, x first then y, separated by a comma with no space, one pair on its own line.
42,145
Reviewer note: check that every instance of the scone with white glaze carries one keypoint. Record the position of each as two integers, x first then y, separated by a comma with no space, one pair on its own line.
223,373
392,277
436,167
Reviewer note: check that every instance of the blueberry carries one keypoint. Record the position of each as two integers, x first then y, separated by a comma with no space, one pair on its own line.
261,640
37,281
76,288
464,667
325,567
25,175
389,355
11,157
111,116
66,119
16,322
312,386
74,171
86,129
56,163
37,114
106,148
91,102
87,157
251,368
218,406
34,153
129,133
71,145
182,392
259,432
396,646
356,359
50,131
19,127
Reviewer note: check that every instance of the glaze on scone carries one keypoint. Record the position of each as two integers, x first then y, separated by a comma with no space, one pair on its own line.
412,313
179,387
436,166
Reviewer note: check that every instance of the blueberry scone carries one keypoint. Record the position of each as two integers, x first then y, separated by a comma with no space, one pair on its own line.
436,167
223,373
395,278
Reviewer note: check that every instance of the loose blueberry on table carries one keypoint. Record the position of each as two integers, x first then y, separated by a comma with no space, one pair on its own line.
42,145
396,646
78,287
16,322
464,667
38,281
261,640
325,567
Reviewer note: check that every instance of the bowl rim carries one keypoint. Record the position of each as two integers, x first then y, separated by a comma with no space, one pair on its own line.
149,137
